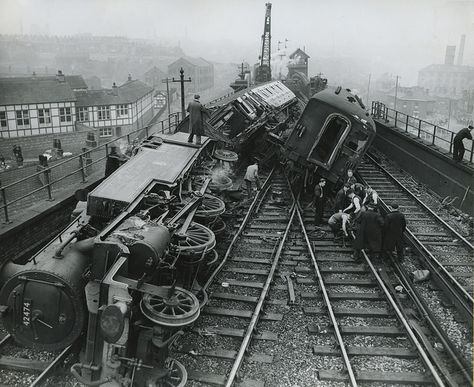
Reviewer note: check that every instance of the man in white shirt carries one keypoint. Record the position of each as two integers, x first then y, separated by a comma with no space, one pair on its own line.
252,176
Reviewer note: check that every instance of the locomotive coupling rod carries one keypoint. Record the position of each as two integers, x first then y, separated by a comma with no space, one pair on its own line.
198,198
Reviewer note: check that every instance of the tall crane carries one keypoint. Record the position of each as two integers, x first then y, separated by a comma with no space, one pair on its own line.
264,70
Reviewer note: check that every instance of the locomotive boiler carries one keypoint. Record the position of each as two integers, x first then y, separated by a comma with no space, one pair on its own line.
124,273
331,136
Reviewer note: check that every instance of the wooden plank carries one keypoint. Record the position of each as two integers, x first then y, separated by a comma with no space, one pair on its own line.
364,312
252,260
366,351
234,297
305,281
378,377
344,296
291,289
19,364
232,332
349,282
359,330
220,380
245,284
268,226
344,269
241,270
240,313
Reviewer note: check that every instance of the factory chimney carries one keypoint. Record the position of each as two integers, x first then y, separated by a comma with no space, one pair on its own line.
461,50
449,58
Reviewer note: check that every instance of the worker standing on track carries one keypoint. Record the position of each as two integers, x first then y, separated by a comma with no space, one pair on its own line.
350,179
319,199
458,146
369,233
196,119
394,227
355,207
252,176
342,200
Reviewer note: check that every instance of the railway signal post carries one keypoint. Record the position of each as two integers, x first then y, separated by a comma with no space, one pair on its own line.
182,80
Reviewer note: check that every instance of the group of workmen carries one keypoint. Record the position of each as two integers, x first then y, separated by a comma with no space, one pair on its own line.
356,209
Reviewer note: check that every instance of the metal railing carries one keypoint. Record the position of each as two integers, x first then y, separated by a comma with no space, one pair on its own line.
427,131
85,161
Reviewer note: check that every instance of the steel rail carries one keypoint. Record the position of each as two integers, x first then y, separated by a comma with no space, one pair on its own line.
335,325
406,325
256,199
258,308
462,299
432,213
421,305
51,366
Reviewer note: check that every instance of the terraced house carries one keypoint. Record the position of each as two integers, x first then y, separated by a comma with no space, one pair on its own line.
36,106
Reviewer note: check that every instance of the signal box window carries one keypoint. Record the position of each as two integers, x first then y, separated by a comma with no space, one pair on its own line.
44,116
105,132
328,143
103,112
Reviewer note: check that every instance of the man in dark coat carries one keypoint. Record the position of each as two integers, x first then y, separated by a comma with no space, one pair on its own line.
319,199
342,200
394,227
196,124
369,233
458,150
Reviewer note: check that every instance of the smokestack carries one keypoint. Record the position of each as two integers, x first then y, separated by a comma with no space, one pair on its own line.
461,50
449,58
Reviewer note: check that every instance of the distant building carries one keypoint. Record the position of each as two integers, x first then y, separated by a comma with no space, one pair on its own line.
153,78
116,111
413,101
32,106
93,83
446,80
200,71
298,63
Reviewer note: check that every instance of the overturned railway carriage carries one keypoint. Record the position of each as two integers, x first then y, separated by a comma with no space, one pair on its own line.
238,119
124,271
331,136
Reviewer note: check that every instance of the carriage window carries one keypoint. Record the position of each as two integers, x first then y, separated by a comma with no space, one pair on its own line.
325,147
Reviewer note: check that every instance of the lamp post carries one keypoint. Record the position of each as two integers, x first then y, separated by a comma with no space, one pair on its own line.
167,80
396,94
182,80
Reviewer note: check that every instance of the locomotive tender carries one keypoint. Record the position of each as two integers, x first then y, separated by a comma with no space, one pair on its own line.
123,272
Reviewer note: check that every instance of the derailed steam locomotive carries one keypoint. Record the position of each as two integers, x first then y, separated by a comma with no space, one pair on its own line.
124,271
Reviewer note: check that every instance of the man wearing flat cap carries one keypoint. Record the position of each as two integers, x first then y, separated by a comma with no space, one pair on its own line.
458,150
196,124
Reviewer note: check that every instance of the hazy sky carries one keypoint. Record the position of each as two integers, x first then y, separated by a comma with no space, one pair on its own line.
397,36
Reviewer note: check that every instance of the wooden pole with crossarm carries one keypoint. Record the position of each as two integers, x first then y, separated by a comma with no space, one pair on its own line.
182,80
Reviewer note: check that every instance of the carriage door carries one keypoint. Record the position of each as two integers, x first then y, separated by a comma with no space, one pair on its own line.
329,141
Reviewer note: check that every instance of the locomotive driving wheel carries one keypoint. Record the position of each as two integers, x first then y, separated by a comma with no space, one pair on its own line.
210,207
198,238
175,307
225,155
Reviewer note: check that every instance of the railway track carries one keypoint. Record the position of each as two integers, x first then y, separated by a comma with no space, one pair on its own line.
446,253
25,367
289,306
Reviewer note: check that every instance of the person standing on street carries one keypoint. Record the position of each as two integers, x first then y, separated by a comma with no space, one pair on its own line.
252,176
394,227
319,199
196,119
458,146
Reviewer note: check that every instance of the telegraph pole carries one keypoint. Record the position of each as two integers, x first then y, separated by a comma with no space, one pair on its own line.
167,80
396,93
368,91
182,80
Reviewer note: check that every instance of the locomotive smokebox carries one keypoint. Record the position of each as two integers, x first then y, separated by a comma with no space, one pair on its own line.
43,302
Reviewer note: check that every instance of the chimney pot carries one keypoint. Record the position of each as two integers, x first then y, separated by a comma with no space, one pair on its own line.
129,77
